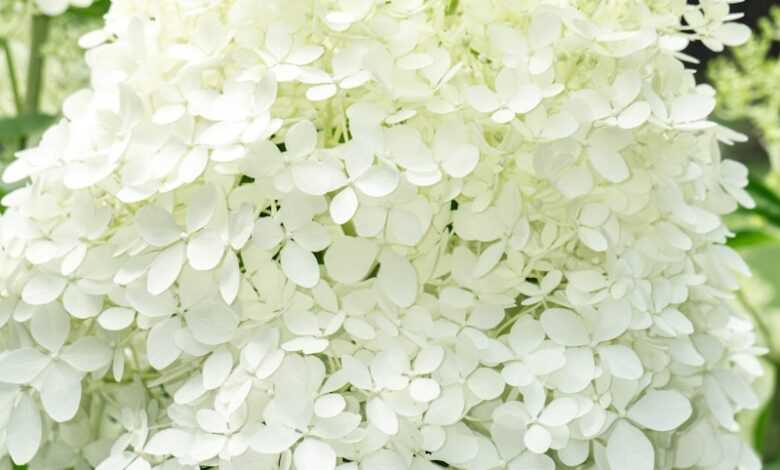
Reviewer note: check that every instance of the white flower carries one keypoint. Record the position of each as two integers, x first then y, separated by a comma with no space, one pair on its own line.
57,7
293,235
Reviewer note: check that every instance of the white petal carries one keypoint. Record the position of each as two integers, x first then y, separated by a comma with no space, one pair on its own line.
217,368
200,207
305,55
169,441
424,390
404,227
301,139
116,318
428,359
628,448
482,99
273,439
378,181
622,361
330,405
148,305
614,320
559,412
349,259
486,384
537,439
447,409
574,182
397,278
593,239
52,8
300,266
661,410
61,392
161,351
50,327
312,236
24,431
156,226
43,288
165,269
21,366
527,98
544,29
343,206
610,165
267,233
318,178
222,133
321,92
461,161
531,461
382,416
229,278
732,33
635,115
489,258
212,322
313,454
564,327
690,108
559,126
81,304
87,354
205,250
212,421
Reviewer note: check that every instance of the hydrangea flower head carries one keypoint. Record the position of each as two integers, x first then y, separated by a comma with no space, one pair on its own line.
380,235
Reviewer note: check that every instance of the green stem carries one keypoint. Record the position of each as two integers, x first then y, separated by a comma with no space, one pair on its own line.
40,32
763,328
452,7
9,62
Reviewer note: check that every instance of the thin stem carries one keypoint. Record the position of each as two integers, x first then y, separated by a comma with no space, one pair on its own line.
763,328
40,32
9,62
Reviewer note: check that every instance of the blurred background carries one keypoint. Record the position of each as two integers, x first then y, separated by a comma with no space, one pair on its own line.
41,63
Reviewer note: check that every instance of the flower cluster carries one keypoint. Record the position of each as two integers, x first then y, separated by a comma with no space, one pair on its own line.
380,234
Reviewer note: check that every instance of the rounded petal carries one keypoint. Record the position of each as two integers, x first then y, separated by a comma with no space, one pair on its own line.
300,266
313,454
23,434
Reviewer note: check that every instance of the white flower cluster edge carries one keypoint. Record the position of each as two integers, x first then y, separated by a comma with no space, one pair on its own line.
380,235
58,7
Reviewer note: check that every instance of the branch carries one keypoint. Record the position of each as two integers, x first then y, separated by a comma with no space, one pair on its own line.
9,61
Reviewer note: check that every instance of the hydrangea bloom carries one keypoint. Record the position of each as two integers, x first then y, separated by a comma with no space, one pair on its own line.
364,235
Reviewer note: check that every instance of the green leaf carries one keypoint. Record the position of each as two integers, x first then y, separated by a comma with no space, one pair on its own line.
751,237
14,128
452,7
96,10
773,465
760,427
767,200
